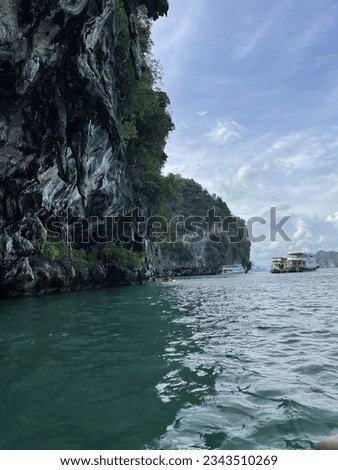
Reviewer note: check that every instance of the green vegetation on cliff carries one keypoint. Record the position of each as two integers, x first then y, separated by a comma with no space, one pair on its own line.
121,258
145,124
145,120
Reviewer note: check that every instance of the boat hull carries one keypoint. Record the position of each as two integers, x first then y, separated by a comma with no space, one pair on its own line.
302,270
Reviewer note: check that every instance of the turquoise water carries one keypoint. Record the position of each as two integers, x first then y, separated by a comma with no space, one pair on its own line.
241,362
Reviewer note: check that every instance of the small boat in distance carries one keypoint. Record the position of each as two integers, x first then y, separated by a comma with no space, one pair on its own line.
294,263
233,269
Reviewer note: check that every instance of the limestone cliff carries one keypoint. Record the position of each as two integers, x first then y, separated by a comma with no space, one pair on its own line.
61,155
82,140
203,235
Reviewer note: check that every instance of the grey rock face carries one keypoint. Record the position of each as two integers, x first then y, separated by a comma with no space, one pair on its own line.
60,146
327,259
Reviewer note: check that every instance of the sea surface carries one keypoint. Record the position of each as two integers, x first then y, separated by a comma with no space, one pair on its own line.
219,362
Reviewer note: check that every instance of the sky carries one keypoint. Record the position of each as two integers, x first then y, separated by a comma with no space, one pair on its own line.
253,86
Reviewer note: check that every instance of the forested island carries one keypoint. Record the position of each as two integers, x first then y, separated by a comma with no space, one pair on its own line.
83,129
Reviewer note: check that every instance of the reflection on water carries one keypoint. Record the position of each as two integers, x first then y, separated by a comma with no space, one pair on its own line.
242,362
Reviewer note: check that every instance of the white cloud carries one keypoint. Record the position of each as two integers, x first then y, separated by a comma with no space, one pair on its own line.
261,27
283,157
309,234
248,44
225,132
174,36
286,141
243,175
333,219
180,27
302,231
251,178
311,32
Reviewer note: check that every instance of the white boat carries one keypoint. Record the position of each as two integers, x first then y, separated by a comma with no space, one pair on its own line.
296,262
233,269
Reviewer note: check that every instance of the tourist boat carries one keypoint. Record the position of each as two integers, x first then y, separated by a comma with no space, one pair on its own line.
233,269
294,263
278,265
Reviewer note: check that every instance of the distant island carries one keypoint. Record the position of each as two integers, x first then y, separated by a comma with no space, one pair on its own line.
327,259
